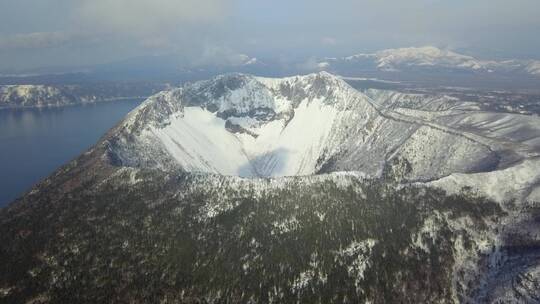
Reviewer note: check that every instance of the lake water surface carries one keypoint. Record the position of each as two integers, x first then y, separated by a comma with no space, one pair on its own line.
35,142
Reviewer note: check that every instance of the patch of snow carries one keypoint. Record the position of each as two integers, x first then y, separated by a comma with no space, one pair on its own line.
360,253
285,225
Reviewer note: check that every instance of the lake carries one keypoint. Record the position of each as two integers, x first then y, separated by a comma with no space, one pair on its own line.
35,142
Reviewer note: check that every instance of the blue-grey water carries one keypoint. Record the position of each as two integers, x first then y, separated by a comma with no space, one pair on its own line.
35,142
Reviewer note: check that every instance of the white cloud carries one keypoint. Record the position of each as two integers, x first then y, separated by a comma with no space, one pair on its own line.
328,41
41,40
110,29
221,56
310,64
207,30
147,17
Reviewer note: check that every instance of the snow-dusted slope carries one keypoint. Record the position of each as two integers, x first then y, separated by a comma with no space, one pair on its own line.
501,131
250,126
518,182
514,139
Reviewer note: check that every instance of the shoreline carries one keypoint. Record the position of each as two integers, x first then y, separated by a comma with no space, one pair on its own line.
50,106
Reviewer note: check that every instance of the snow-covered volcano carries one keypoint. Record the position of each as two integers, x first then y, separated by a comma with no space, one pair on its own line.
260,127
247,126
211,238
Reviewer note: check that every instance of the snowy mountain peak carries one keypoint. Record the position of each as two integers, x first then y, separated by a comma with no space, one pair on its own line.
250,126
238,124
431,51
238,94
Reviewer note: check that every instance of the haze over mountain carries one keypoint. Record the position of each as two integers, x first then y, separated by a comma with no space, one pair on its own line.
413,67
87,33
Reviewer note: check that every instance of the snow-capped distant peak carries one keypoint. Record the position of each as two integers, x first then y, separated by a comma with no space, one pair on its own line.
427,56
431,57
392,59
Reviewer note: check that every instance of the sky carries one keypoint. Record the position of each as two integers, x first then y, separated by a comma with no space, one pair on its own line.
79,33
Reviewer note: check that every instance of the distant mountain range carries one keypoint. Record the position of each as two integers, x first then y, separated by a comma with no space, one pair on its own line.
430,58
429,67
421,65
24,96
